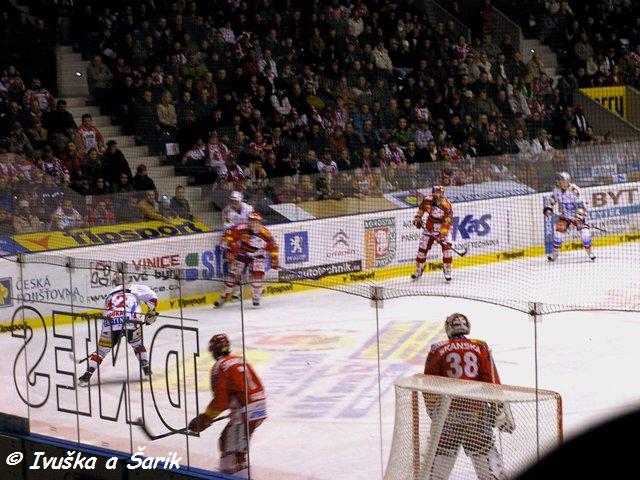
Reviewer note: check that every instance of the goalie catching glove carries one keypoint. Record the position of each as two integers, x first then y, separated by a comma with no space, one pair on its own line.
150,317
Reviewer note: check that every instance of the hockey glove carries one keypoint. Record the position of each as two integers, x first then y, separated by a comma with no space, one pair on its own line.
581,215
200,423
548,211
441,238
275,263
150,317
504,419
418,222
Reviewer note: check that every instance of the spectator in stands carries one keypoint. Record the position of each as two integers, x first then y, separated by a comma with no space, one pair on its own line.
114,163
60,125
130,210
66,217
48,194
24,221
146,122
123,185
180,207
540,146
142,182
89,136
167,116
99,80
150,209
40,94
101,215
98,187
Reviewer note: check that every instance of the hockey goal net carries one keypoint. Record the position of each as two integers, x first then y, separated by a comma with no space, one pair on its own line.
459,429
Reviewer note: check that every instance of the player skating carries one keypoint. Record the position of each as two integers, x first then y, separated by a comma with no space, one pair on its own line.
235,386
248,245
468,423
435,230
123,313
571,211
235,213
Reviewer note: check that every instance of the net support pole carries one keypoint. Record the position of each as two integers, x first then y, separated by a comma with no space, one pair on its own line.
534,312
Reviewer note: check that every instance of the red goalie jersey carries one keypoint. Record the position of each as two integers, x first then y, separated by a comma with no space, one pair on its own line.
467,359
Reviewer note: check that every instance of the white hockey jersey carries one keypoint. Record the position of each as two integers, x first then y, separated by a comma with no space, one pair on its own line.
568,201
231,217
124,304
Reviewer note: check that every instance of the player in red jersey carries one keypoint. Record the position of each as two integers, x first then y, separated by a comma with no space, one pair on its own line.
436,230
469,423
248,244
235,386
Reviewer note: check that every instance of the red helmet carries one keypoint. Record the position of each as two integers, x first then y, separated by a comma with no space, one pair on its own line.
219,345
439,189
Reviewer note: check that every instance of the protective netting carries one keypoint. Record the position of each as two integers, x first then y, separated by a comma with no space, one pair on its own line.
449,428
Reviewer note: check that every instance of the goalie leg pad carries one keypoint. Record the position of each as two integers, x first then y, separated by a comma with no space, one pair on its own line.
488,466
442,466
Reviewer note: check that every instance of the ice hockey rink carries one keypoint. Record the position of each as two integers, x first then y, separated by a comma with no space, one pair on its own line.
328,361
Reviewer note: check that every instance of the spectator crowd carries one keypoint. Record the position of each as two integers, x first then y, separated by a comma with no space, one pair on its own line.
256,95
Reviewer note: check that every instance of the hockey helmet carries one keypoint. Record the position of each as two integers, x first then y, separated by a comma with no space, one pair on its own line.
236,196
438,190
563,177
219,345
118,279
456,325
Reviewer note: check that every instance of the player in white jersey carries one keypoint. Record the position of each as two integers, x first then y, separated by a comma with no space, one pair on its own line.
123,313
571,211
235,213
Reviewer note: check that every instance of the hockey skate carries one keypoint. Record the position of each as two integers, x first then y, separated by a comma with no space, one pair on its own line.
447,272
591,255
418,273
256,301
553,256
221,301
85,378
146,369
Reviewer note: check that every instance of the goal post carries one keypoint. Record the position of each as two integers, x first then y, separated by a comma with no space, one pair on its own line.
460,429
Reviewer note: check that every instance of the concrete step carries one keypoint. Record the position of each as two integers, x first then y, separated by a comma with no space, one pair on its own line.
79,111
211,219
70,57
73,90
134,154
168,185
149,161
75,102
64,49
111,131
157,172
70,68
122,140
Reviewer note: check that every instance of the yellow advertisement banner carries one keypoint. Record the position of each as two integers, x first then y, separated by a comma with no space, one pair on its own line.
613,99
126,232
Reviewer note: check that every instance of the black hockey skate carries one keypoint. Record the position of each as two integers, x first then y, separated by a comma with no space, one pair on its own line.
146,369
221,301
85,378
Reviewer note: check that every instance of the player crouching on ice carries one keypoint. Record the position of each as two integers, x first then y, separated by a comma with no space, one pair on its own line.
248,244
436,230
122,312
235,386
571,211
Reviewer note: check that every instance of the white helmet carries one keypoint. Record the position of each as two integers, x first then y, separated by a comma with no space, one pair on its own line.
456,325
563,177
236,196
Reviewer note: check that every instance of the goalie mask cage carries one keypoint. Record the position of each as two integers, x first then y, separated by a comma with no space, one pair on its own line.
443,424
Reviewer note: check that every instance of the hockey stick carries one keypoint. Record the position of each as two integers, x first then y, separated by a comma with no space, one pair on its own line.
462,252
595,227
181,431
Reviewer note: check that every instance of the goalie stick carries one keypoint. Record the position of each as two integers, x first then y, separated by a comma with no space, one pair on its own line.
181,431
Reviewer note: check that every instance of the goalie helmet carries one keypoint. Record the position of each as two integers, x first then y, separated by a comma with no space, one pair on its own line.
457,325
219,345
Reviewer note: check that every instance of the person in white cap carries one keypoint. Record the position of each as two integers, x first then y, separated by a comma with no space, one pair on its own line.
235,213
